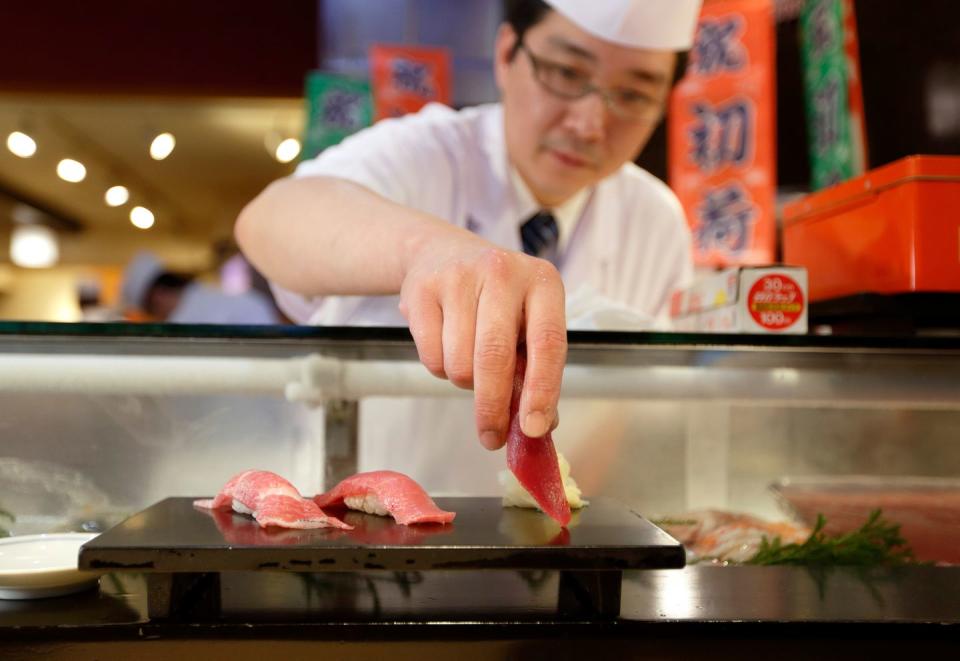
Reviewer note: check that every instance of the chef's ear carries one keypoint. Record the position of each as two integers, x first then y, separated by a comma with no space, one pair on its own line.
505,51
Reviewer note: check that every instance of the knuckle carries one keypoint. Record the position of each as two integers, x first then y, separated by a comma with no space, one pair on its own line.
551,340
495,263
495,352
460,373
541,385
547,270
456,275
433,364
490,414
543,273
414,296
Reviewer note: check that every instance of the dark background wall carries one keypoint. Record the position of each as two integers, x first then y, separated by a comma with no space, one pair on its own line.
910,63
180,47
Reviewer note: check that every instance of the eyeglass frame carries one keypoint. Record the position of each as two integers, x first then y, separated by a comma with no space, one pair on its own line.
537,62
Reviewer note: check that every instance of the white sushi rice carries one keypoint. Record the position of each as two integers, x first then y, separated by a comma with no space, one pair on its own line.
368,503
514,495
241,508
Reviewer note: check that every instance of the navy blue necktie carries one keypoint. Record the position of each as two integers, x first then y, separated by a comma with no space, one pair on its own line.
540,235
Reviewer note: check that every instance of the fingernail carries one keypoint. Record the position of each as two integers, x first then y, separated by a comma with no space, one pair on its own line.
535,424
490,440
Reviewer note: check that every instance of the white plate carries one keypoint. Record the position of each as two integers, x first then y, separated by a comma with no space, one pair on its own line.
38,566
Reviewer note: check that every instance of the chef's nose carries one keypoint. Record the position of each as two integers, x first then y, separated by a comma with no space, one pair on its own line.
587,117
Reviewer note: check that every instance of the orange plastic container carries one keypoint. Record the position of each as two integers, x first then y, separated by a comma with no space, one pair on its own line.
895,229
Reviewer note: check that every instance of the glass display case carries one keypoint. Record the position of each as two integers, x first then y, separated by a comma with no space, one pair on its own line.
99,421
111,418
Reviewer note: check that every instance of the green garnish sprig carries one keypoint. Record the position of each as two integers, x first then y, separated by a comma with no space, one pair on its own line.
876,543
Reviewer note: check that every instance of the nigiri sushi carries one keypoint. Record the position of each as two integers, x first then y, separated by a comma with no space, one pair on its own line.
514,495
382,530
386,493
271,500
244,531
534,460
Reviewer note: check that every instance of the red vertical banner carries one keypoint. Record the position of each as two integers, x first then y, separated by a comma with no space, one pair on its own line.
722,135
406,78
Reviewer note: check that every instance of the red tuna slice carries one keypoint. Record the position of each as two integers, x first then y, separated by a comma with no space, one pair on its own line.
272,501
534,460
379,530
399,495
289,512
238,529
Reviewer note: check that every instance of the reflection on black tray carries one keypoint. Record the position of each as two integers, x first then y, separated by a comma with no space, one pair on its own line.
173,536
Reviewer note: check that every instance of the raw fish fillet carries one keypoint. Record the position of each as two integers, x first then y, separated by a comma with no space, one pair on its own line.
272,501
717,536
242,530
514,495
534,460
379,530
383,493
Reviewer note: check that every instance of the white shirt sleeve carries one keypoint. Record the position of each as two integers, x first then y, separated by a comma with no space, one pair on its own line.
409,160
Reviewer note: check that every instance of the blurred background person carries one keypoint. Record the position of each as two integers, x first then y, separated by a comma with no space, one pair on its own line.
92,307
162,295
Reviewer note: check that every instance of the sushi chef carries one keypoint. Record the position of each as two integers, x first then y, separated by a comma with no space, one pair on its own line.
495,224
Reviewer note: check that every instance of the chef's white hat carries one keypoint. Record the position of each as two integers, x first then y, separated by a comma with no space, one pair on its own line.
650,24
140,274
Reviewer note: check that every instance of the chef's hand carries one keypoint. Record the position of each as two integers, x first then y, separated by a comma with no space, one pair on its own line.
468,304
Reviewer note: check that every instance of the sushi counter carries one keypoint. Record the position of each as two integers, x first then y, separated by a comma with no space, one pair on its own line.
717,418
696,612
496,583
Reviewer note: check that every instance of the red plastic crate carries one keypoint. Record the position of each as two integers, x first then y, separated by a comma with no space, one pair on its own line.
895,229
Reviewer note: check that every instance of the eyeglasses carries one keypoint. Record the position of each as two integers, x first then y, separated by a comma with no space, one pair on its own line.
572,83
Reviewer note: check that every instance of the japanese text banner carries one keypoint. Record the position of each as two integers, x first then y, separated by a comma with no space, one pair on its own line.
336,106
722,135
405,78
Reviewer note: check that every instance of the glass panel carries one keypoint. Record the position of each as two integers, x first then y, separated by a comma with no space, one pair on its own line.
665,423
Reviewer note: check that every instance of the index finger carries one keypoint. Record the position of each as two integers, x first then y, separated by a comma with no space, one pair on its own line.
546,340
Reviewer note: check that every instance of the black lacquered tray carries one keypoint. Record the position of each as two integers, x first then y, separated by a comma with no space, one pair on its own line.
182,547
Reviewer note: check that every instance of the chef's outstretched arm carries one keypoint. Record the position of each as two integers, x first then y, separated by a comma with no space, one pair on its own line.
468,301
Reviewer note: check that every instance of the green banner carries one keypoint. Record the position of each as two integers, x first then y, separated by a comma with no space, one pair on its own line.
826,82
336,107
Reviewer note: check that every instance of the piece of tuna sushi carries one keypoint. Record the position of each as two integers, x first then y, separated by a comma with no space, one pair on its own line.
386,493
381,530
534,460
271,500
241,530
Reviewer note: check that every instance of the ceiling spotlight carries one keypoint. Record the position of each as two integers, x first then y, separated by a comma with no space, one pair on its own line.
162,146
116,196
141,217
287,150
71,170
34,246
21,144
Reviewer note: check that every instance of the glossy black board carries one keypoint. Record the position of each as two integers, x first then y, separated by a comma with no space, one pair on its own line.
175,536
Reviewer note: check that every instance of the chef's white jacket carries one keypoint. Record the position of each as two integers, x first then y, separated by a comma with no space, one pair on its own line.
627,252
